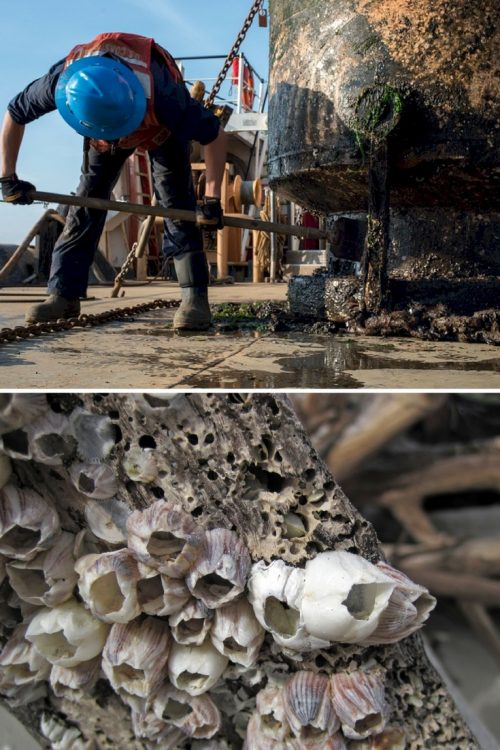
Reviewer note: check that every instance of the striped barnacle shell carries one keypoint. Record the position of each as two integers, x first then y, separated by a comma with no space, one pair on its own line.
28,523
135,656
67,634
49,578
5,469
275,592
195,716
192,623
97,481
237,633
18,409
221,569
158,536
160,595
408,608
308,707
358,699
108,585
74,682
95,435
21,666
344,596
195,669
49,440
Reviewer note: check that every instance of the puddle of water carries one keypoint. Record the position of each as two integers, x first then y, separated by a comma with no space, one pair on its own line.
329,368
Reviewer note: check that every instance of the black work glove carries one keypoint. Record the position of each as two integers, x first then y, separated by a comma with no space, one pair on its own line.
15,190
209,214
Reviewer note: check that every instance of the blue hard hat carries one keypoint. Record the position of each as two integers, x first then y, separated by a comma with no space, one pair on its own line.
100,97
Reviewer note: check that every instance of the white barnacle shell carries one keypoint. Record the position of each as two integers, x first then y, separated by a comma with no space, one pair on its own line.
61,736
237,633
221,569
192,623
49,578
196,716
98,481
135,656
160,595
94,434
28,523
271,710
408,608
67,634
107,520
74,682
358,699
159,536
21,665
260,737
195,669
108,585
308,707
275,593
344,596
5,469
18,409
140,465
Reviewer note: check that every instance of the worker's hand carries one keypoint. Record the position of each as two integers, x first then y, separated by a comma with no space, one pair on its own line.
15,190
209,214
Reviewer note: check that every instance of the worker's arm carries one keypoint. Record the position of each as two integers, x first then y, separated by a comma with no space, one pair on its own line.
10,139
14,190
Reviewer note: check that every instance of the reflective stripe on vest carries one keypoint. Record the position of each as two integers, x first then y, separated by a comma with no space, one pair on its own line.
136,52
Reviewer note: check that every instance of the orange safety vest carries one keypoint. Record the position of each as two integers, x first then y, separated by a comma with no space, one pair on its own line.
136,51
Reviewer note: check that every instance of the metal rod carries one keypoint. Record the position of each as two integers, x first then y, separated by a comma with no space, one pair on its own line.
240,221
14,258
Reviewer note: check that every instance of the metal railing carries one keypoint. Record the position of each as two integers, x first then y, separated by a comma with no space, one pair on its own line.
234,90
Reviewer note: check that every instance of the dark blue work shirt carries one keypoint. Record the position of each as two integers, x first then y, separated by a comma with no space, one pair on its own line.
185,117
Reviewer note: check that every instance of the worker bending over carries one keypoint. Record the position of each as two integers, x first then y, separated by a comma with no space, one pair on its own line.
122,92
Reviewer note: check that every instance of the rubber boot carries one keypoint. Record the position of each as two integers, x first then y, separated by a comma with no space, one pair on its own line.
192,275
53,308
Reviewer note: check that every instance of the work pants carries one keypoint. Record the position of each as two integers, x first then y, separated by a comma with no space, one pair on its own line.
75,249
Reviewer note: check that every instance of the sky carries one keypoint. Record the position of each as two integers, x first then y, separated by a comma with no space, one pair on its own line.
37,34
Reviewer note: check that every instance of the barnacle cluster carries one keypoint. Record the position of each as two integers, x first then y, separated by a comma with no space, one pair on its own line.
167,611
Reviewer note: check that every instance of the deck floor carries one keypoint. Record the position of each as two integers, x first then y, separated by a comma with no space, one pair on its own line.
144,353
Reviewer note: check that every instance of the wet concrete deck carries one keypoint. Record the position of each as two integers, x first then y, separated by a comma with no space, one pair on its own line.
144,353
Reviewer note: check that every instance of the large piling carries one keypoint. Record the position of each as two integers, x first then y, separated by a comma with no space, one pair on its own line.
415,80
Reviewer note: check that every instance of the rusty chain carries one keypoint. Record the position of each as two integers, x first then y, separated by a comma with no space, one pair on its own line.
20,333
234,51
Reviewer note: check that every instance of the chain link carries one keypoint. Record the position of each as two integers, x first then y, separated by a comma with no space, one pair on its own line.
20,333
234,51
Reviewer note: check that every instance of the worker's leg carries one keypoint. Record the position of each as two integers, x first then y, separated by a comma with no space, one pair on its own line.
74,251
182,239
